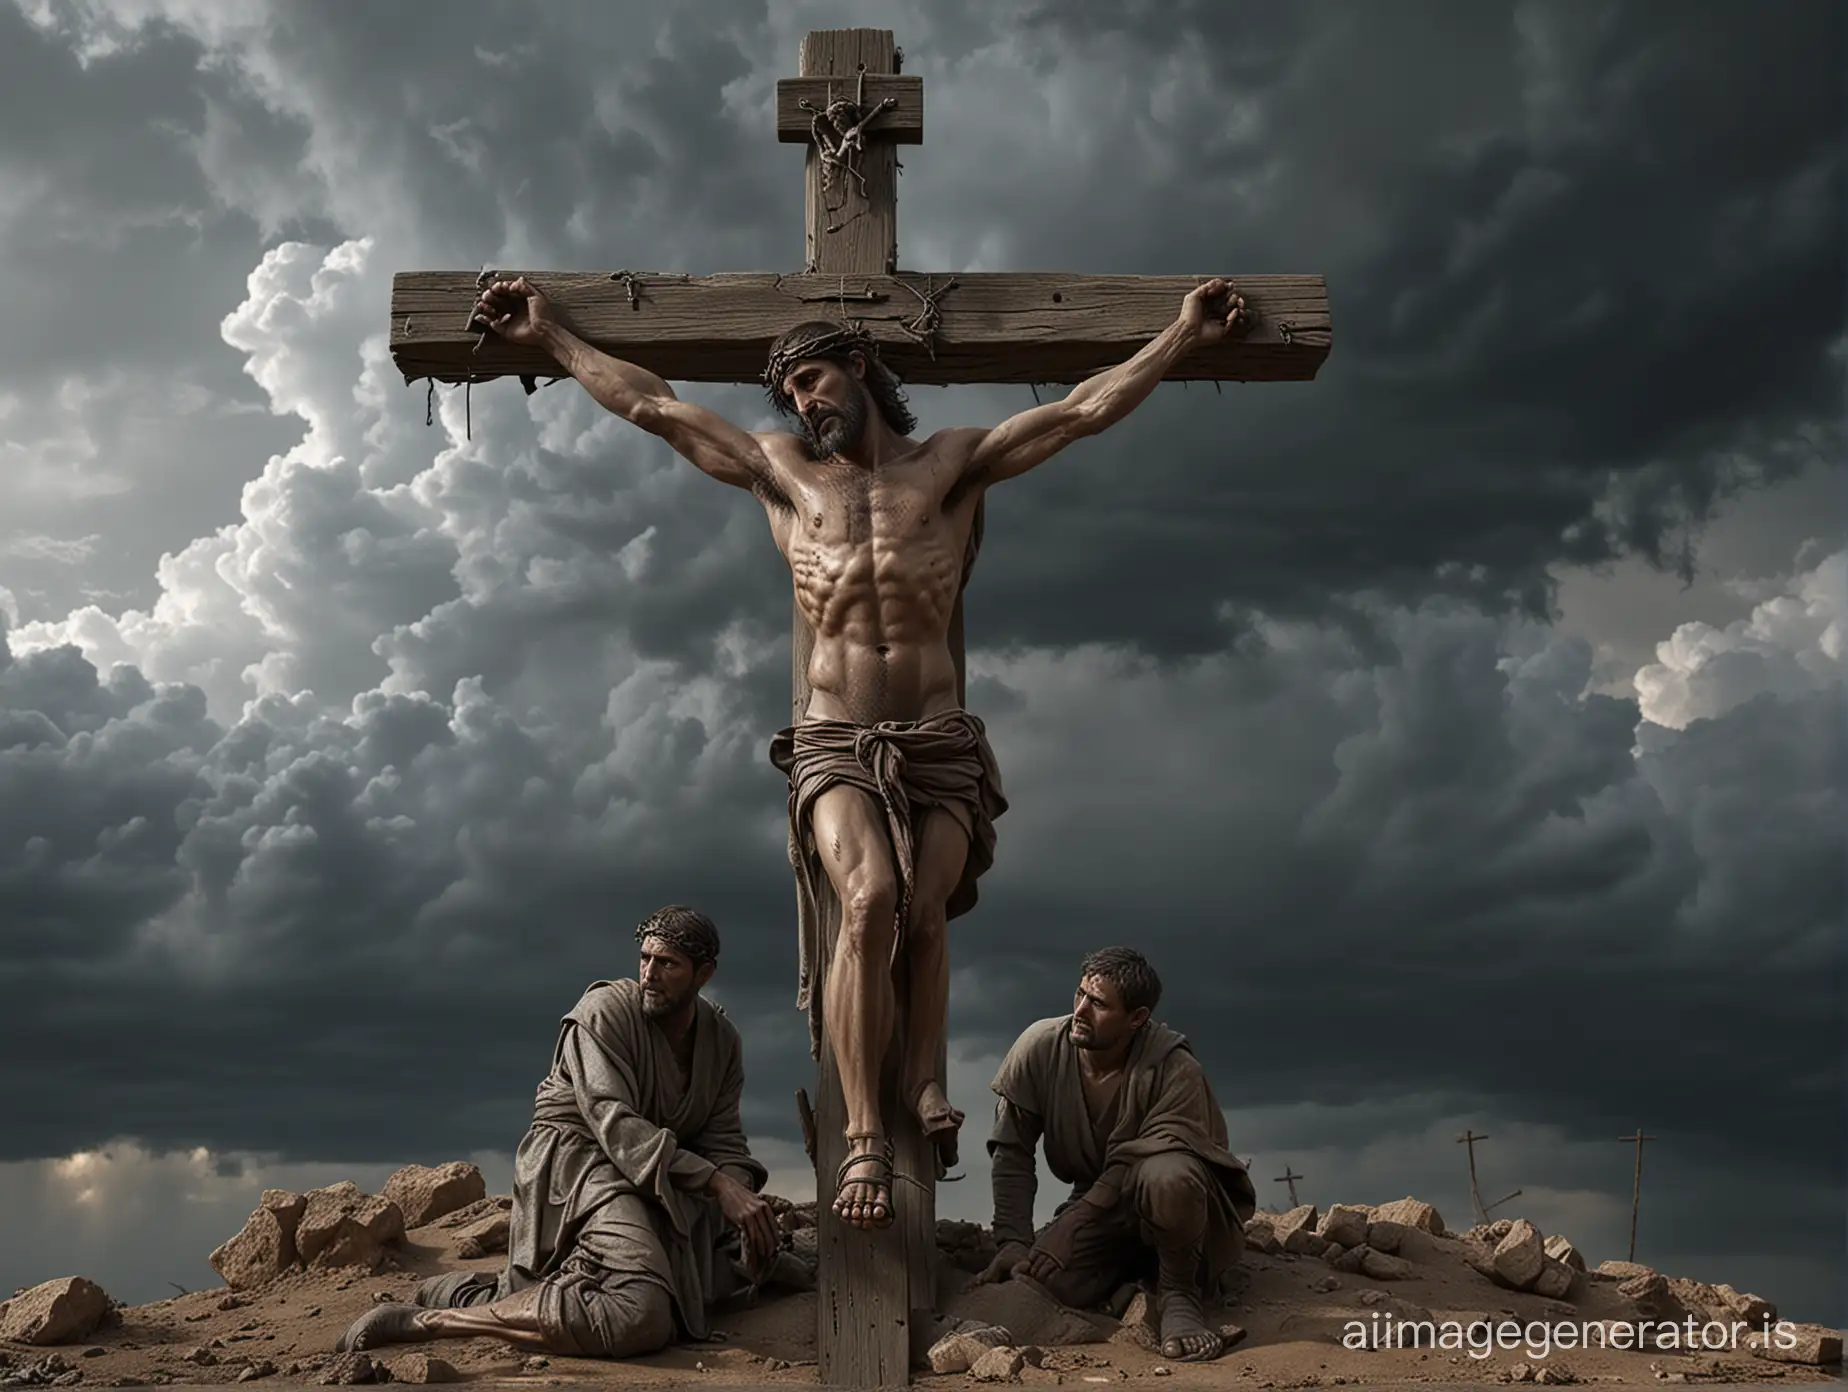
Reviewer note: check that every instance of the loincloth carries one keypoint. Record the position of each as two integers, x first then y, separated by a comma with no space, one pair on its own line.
907,767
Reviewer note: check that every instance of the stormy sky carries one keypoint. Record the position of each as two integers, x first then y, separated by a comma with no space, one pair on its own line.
1459,733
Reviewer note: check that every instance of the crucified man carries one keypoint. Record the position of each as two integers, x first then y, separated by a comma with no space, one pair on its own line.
893,787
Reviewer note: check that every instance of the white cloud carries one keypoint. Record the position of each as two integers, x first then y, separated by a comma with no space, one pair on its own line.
1791,644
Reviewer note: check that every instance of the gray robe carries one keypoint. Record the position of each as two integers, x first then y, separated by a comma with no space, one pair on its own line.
605,1182
1165,1106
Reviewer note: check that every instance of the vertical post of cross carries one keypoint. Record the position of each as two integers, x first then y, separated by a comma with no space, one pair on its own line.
873,1287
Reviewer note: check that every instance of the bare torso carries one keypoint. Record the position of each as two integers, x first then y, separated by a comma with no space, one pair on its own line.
876,555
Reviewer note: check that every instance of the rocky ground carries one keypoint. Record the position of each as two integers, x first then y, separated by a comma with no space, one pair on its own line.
1312,1285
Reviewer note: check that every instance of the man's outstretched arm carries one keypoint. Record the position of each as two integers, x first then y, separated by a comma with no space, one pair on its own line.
1100,401
520,313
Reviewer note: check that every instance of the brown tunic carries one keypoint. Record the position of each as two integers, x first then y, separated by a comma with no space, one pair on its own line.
1164,1107
906,767
605,1186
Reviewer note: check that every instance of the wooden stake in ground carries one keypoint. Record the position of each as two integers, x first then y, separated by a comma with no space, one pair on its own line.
1636,1187
1469,1139
851,107
1289,1177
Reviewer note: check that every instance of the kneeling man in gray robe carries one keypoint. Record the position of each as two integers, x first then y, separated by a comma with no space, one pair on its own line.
1130,1122
635,1166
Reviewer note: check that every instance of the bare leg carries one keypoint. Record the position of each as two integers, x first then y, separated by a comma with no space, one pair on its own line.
941,850
857,1001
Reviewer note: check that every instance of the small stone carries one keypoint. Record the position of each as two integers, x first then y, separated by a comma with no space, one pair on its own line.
958,1351
202,1357
1325,1284
536,1364
998,1365
1624,1270
1163,1370
352,1369
257,1368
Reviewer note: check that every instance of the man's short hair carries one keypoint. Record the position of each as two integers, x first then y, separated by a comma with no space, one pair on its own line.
1129,971
688,931
841,343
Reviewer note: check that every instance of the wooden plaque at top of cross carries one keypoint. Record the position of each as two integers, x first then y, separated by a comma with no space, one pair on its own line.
851,107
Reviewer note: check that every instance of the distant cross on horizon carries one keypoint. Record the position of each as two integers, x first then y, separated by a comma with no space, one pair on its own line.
1289,1177
1636,1187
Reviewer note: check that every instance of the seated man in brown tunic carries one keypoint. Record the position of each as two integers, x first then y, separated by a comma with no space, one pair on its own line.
634,1167
1130,1122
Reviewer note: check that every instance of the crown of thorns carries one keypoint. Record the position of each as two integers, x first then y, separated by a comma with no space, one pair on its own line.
686,931
820,344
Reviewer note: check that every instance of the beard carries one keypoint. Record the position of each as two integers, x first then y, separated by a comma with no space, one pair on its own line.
829,432
655,1004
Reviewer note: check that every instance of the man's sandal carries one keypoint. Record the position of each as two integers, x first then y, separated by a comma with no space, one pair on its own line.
881,1157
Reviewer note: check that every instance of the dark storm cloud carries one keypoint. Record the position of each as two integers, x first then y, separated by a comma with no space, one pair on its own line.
1380,832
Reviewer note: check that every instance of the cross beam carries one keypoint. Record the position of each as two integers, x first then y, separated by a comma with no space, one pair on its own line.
931,329
852,107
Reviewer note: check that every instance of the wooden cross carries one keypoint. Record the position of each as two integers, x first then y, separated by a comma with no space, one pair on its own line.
1039,327
1469,1139
1289,1177
1636,1187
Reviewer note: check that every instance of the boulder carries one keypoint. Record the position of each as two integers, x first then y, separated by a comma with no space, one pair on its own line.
1300,1217
341,1226
1351,1259
1560,1249
63,1311
1260,1236
1814,1344
1382,1267
1520,1256
1414,1213
1303,1242
1345,1224
1754,1310
1652,1298
265,1247
1555,1280
1386,1235
424,1193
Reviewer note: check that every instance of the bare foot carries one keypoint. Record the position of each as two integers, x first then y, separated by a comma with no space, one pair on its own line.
1184,1335
941,1123
385,1324
863,1188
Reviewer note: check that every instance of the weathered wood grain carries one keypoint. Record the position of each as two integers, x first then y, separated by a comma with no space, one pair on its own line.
903,124
993,326
853,224
871,1284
